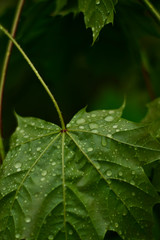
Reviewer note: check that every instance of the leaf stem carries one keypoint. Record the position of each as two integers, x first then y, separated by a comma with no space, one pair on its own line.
4,70
36,73
152,10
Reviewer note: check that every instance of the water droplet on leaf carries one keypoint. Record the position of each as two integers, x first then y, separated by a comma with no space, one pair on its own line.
104,141
120,174
18,165
81,127
70,232
109,135
90,149
80,121
109,119
93,125
109,173
17,235
50,237
44,173
97,165
116,225
95,131
111,111
27,219
132,182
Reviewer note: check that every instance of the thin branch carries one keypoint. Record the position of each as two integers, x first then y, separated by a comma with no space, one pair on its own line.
5,67
147,80
154,12
36,73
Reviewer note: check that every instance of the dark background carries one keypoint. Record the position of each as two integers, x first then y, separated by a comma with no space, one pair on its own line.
123,62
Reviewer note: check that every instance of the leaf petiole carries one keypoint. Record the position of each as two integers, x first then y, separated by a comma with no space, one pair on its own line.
152,10
4,71
36,73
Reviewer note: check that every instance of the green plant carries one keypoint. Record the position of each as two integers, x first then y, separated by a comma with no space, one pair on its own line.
81,180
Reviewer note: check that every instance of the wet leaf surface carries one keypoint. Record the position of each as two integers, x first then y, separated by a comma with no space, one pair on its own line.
97,13
79,183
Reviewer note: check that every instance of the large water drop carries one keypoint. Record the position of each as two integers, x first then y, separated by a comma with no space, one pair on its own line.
80,121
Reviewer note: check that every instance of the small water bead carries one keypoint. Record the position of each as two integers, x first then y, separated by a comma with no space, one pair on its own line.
90,149
109,173
80,121
93,115
18,165
17,235
125,213
111,111
115,126
50,237
81,127
133,172
53,163
38,149
44,173
42,179
109,119
27,219
116,225
95,131
104,141
133,194
70,232
109,135
26,136
97,165
120,174
98,2
93,125
132,182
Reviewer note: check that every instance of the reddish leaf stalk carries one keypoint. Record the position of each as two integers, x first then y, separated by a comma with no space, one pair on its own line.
5,67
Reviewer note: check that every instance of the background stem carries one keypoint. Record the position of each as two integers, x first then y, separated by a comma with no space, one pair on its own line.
152,10
36,73
4,70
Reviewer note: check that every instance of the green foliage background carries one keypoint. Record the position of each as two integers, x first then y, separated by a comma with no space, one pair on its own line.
78,73
123,58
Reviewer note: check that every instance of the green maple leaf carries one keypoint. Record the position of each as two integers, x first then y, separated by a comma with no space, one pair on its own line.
79,183
153,120
97,13
153,117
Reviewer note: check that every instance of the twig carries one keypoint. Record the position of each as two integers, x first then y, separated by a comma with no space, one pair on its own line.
154,12
4,70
